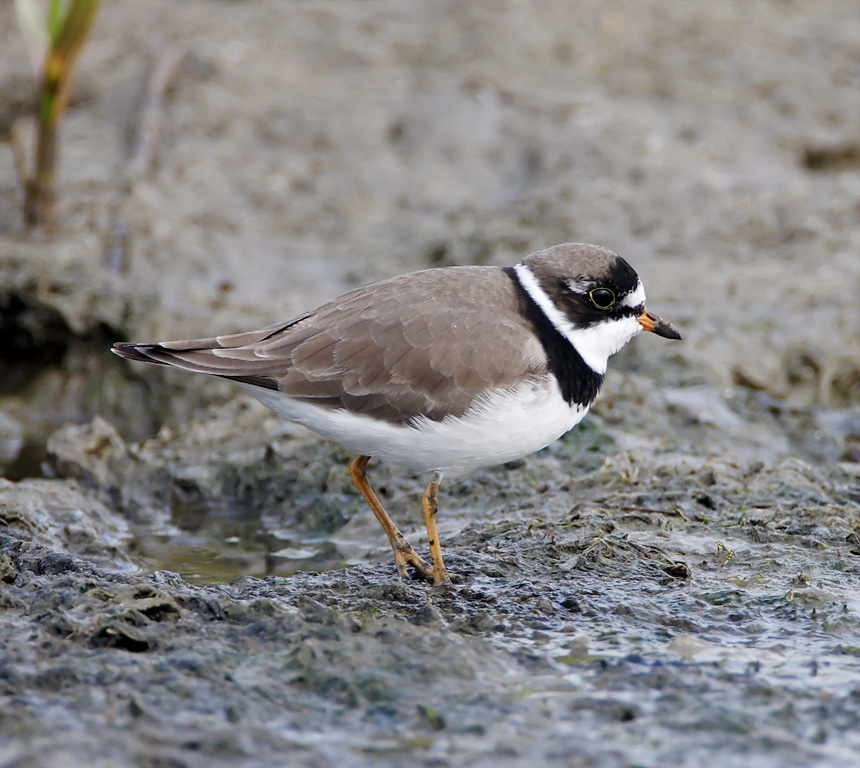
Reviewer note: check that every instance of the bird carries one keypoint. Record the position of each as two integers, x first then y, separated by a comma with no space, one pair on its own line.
441,371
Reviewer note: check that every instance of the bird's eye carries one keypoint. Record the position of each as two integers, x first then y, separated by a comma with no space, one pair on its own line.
602,298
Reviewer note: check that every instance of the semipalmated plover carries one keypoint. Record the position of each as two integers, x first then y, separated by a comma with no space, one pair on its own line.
441,371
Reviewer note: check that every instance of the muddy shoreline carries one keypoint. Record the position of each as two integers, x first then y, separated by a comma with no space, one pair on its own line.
186,580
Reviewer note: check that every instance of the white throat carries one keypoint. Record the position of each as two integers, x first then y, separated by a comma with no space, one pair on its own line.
595,344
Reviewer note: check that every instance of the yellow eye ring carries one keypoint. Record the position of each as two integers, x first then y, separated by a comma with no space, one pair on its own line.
602,298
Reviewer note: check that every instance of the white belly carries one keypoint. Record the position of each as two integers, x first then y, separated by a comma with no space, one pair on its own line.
501,427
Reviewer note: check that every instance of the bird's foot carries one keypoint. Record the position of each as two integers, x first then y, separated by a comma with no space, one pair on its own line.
405,555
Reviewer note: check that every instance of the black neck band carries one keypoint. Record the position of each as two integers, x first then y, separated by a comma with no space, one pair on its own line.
578,382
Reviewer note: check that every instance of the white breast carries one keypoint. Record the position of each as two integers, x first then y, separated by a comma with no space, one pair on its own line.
500,427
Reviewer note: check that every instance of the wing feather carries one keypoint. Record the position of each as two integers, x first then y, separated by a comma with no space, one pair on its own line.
427,343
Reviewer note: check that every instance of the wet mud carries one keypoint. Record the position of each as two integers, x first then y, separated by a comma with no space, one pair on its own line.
186,580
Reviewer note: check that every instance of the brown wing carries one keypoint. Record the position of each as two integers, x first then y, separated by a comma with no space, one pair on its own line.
424,343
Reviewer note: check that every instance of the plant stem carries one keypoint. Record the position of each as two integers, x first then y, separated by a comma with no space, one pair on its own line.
66,38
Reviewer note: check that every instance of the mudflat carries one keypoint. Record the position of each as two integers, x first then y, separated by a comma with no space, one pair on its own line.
186,580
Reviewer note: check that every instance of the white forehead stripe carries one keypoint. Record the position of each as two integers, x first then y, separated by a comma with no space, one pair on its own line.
594,344
633,299
636,297
578,286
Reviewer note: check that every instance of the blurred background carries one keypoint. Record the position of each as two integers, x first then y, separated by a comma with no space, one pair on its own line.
224,165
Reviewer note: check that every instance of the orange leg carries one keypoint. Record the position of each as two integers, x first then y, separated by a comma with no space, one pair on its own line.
403,553
429,504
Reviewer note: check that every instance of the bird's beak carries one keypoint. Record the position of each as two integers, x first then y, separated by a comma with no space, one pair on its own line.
650,322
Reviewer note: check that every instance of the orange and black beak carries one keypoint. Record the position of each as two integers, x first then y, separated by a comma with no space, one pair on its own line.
650,322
